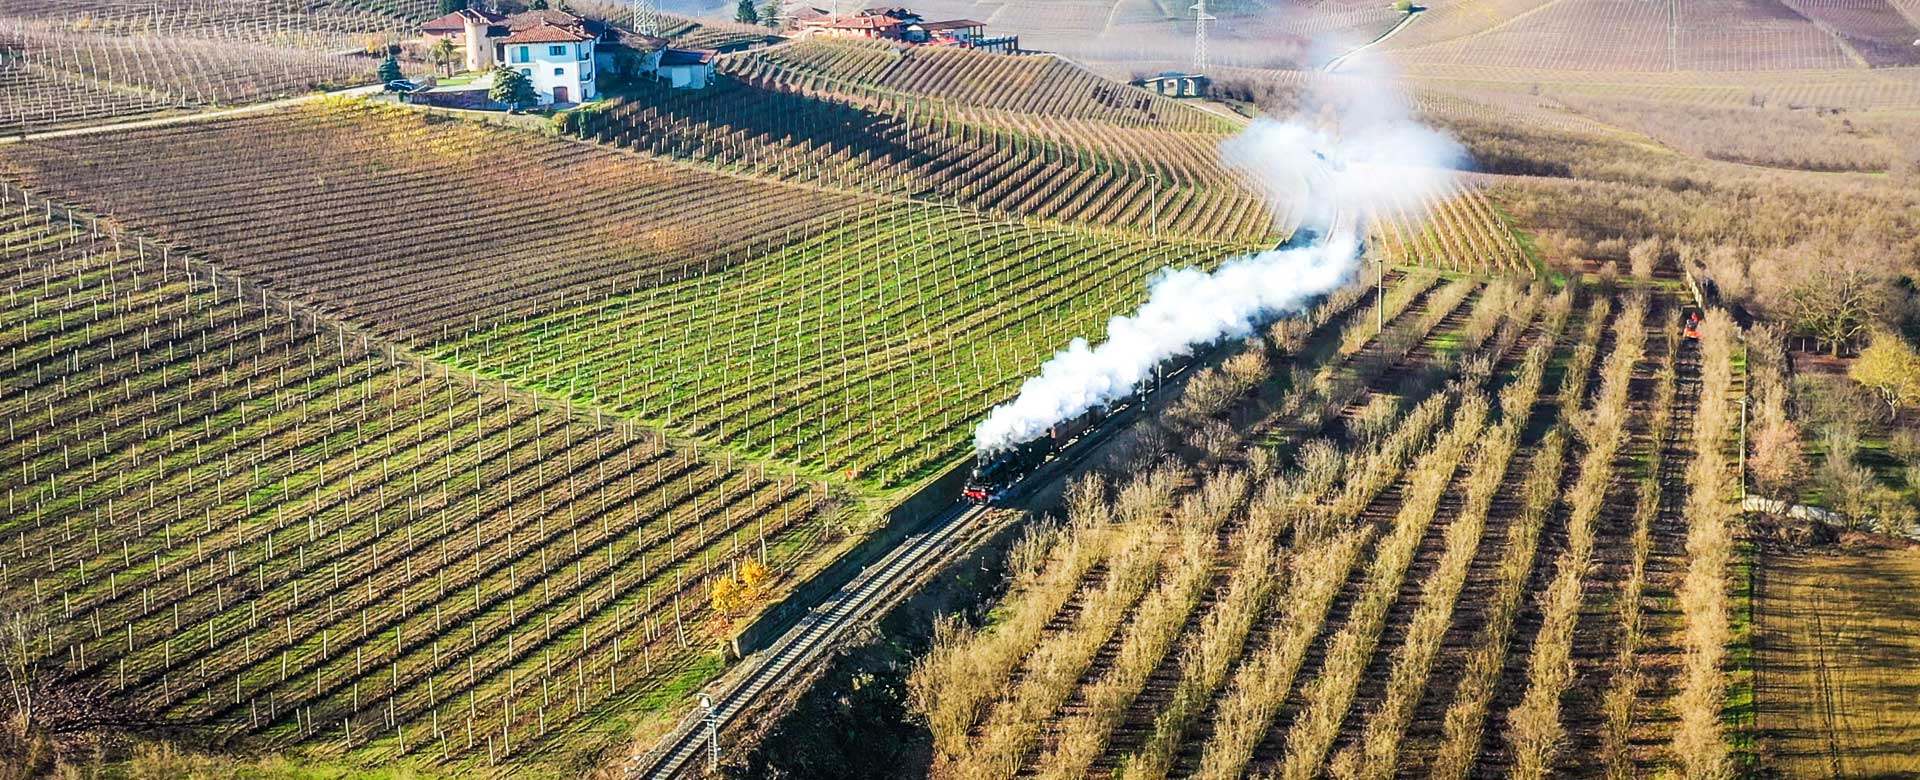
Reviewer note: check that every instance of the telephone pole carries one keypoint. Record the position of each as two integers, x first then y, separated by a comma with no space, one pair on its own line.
1380,301
1155,192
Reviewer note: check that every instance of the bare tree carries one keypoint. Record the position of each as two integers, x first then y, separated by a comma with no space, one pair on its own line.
1830,289
1777,465
1645,256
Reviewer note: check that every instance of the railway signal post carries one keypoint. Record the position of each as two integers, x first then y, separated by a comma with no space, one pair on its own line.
713,732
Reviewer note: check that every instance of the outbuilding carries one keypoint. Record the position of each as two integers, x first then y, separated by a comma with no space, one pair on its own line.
1176,85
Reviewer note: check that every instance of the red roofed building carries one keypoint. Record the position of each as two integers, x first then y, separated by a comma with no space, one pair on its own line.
896,24
560,53
453,26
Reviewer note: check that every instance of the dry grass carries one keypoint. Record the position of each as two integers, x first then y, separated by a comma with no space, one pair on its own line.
1837,661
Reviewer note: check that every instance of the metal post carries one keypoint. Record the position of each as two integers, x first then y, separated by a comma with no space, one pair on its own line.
1743,453
1154,193
713,732
1380,303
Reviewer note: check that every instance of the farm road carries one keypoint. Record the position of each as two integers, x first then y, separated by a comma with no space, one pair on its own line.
1336,63
201,116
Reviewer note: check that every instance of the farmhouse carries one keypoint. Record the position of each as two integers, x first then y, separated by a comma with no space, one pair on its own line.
902,26
560,53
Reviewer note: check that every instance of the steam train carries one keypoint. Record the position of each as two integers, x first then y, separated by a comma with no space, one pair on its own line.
996,474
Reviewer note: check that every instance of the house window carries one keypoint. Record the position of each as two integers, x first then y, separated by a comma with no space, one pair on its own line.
559,71
526,71
556,51
520,54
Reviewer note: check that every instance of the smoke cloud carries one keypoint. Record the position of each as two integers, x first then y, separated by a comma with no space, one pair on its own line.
1326,179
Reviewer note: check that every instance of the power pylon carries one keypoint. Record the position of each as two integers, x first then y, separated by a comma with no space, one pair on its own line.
1200,19
645,20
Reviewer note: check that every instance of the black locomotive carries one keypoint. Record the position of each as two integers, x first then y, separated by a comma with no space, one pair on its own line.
995,474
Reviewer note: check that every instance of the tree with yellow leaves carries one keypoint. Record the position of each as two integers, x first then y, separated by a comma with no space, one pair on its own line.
734,595
728,596
1891,369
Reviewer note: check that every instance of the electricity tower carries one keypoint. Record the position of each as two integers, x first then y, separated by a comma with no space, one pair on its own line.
1200,19
645,20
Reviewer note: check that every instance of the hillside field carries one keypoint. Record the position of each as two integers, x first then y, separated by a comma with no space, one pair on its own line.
350,438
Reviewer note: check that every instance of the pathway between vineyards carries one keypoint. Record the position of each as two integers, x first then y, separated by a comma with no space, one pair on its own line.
198,116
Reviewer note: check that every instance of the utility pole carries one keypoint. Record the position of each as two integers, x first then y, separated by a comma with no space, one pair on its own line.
1380,301
713,732
1155,194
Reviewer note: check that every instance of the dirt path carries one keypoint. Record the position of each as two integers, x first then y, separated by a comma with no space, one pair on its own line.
202,116
1337,62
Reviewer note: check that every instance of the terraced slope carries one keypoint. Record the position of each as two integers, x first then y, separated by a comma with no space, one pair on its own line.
309,201
237,515
769,120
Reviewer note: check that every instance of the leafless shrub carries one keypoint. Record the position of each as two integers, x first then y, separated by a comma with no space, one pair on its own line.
1248,368
1375,420
1645,256
1320,466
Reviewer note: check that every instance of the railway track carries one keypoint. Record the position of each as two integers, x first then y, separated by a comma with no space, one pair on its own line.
791,655
687,746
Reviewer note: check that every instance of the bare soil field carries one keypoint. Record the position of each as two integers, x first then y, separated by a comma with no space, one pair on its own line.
1837,662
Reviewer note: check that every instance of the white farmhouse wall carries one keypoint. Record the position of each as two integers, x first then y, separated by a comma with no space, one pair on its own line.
547,69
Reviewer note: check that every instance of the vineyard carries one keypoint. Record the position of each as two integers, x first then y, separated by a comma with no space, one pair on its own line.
1406,569
1608,36
867,347
1049,87
769,120
606,221
1879,32
124,60
239,515
805,343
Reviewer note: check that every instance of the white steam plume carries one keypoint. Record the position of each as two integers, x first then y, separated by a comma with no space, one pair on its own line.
1378,158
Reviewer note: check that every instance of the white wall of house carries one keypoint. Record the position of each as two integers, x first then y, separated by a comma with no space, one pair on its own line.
687,76
567,66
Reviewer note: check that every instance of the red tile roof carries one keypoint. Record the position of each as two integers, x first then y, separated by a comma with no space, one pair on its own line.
547,33
535,18
863,23
456,21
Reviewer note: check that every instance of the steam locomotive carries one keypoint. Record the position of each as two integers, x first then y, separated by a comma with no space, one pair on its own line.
995,474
